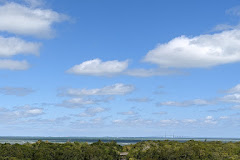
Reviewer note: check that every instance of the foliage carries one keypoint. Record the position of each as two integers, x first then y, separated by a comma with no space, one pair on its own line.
147,150
191,150
56,151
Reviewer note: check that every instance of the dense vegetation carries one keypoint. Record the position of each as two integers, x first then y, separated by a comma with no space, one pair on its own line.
191,150
157,150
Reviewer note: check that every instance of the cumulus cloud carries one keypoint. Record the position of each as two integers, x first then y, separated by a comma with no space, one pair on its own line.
233,98
16,91
235,89
8,64
96,67
210,120
197,52
84,97
195,102
233,95
37,22
116,89
13,46
24,19
28,111
17,113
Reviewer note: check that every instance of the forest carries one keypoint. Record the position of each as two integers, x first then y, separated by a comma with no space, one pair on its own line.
146,150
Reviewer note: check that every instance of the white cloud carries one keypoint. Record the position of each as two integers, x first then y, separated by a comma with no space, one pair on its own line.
84,114
197,52
83,97
15,91
167,122
118,121
132,122
223,27
35,111
19,19
27,111
13,46
210,120
13,64
96,110
232,98
236,107
204,122
116,89
24,20
76,102
235,89
59,121
91,112
80,101
224,117
233,95
234,11
195,102
96,67
34,3
14,115
219,109
187,121
95,122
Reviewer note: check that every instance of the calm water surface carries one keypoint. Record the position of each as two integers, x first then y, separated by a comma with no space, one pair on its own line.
119,140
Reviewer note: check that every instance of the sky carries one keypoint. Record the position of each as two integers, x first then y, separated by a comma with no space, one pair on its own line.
124,68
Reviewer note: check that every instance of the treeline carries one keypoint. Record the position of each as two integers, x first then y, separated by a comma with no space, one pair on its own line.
191,150
147,150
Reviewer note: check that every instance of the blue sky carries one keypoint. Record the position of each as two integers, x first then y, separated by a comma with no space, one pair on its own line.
119,68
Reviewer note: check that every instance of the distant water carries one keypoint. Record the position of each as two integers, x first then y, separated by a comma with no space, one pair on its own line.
119,140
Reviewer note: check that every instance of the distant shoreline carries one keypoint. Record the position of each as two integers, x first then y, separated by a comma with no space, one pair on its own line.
119,140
